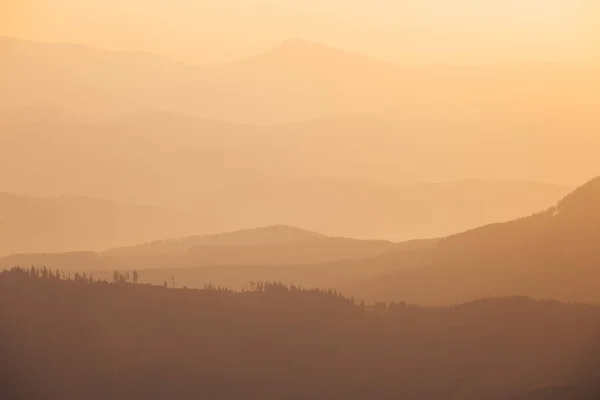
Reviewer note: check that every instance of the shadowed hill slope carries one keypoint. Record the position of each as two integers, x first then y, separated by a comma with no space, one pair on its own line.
551,254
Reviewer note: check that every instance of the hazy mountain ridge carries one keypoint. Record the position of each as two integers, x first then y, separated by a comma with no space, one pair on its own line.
205,257
147,150
318,175
336,207
296,80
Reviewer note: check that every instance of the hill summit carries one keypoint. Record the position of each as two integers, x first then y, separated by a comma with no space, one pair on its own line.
268,235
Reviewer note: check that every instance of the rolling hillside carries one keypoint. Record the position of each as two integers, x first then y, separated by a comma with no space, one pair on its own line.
229,259
269,235
125,341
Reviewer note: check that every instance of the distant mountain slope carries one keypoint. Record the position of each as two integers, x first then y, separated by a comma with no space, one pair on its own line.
256,251
553,254
66,223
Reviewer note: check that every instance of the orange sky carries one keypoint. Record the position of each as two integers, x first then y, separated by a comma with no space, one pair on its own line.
424,31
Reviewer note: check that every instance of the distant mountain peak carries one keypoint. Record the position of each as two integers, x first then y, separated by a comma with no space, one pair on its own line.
279,231
305,49
302,44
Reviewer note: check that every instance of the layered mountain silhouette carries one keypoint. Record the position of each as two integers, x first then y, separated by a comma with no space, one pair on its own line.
552,254
306,222
296,80
333,175
291,88
230,259
337,207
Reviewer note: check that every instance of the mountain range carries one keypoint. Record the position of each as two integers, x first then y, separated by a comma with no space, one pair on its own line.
307,135
338,208
162,158
550,254
273,247
302,222
144,129
326,175
294,81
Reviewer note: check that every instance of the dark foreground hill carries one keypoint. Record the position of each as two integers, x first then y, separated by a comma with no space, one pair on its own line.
579,391
76,339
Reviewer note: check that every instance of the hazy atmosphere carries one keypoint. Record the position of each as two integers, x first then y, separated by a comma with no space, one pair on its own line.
300,200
